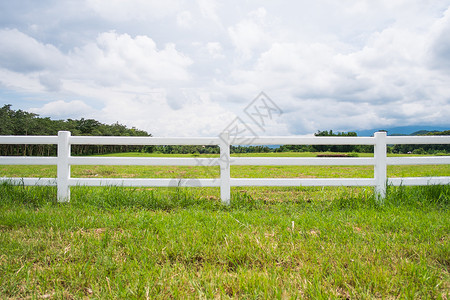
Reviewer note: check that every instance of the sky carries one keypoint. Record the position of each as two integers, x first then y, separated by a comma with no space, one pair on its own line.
195,68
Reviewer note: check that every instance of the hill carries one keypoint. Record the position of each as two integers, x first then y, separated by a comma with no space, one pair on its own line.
404,130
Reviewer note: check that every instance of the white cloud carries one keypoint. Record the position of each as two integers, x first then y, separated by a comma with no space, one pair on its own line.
250,35
50,81
61,109
22,53
198,115
208,9
20,82
215,50
117,58
439,43
121,11
184,19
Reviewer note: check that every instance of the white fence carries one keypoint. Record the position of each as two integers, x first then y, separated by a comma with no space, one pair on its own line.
380,161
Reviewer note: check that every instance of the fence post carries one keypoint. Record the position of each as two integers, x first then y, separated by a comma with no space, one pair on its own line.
380,170
63,167
224,163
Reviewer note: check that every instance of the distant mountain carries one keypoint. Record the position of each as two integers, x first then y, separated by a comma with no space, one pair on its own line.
403,130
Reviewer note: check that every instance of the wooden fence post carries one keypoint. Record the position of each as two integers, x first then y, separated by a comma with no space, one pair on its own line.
63,167
380,170
224,163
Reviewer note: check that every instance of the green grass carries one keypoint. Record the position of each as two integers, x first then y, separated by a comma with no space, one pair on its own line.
236,171
132,243
281,243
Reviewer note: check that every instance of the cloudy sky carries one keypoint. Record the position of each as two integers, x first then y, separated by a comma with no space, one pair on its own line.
189,68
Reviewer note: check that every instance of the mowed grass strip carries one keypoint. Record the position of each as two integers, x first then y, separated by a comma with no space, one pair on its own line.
236,171
114,242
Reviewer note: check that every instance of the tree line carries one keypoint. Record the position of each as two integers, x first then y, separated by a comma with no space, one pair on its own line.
423,149
208,149
19,122
328,148
403,149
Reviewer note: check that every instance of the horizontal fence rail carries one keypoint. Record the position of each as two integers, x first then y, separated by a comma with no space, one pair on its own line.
137,141
28,140
380,161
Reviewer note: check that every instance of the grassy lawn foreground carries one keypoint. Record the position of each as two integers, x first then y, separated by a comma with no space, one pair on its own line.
176,243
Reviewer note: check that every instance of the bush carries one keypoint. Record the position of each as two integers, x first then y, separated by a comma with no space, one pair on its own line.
419,151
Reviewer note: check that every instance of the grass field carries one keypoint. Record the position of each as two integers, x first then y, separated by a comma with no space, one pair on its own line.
282,243
236,171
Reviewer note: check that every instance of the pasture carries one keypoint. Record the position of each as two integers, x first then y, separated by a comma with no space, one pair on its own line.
277,242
